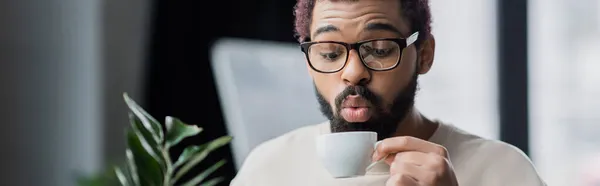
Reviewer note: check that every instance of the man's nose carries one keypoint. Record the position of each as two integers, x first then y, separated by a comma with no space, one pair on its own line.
355,73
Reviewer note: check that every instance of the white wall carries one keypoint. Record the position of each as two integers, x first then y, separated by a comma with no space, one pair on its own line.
461,87
564,43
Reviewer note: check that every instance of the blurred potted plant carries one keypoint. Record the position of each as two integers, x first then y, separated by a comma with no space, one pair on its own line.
148,162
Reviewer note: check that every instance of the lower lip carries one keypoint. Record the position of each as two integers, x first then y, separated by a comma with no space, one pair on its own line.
355,114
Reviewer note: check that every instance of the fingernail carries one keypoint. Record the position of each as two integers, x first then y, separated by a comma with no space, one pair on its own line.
376,143
375,156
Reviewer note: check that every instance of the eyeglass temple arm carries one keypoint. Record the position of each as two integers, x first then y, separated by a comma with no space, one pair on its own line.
412,38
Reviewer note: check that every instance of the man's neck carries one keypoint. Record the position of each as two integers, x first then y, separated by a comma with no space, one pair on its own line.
416,125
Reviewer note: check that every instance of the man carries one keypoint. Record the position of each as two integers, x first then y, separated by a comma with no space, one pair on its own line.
365,57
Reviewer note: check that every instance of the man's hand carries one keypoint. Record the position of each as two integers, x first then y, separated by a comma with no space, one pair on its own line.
416,162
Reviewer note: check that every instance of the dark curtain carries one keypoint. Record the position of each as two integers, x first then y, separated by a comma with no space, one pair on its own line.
179,79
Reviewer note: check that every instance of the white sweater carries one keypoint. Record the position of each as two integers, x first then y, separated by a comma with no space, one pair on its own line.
291,160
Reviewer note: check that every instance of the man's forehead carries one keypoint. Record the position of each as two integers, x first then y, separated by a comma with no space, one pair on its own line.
392,7
369,15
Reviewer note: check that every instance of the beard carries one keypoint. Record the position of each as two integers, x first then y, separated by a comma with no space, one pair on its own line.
382,121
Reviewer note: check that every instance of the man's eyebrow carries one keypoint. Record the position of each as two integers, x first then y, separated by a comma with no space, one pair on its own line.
382,26
369,27
328,28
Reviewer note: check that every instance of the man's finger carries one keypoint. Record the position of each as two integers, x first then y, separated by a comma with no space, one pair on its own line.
417,173
407,143
411,157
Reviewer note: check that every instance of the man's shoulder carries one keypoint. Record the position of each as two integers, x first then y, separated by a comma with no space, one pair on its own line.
506,160
468,142
497,159
465,142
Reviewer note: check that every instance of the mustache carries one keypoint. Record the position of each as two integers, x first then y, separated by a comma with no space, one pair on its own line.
361,91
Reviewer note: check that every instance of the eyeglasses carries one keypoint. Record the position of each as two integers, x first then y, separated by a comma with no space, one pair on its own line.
377,54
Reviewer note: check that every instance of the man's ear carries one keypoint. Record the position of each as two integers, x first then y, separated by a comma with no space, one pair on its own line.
426,54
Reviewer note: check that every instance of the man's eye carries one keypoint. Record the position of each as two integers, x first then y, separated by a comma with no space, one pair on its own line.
382,52
378,52
329,55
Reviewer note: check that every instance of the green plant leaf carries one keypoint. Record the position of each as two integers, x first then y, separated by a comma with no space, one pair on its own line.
123,179
134,176
199,156
187,153
213,182
146,162
148,121
138,127
197,179
177,130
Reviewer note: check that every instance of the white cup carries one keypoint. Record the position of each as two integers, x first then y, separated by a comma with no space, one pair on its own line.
346,154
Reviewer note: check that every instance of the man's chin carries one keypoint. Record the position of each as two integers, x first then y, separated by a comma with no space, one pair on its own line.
342,125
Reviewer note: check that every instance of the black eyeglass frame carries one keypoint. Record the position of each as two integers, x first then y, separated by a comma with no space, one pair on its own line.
402,43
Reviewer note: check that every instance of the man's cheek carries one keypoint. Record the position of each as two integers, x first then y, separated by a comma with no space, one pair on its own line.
386,99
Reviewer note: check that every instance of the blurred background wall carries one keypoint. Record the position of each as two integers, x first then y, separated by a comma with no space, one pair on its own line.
520,71
63,67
